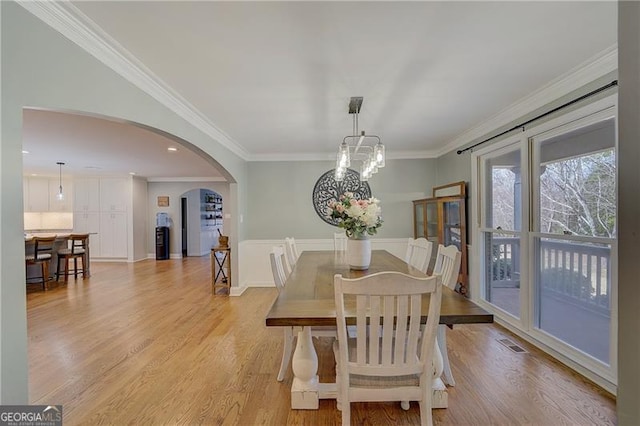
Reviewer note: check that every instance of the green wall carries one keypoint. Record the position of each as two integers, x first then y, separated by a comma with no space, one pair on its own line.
279,193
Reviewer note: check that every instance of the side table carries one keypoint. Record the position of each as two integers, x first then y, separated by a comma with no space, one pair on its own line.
220,269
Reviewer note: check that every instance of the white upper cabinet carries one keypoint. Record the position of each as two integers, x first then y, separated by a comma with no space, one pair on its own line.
87,195
40,194
36,194
115,194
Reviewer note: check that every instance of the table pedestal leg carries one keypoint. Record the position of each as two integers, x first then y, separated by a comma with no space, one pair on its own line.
304,390
440,398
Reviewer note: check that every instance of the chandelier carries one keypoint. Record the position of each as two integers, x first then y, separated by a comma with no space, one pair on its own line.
359,146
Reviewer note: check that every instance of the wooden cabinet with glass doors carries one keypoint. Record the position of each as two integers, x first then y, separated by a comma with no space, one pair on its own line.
441,220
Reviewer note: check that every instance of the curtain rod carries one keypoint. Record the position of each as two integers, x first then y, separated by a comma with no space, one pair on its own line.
596,91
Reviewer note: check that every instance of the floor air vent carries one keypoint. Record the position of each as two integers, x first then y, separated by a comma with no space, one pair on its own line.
513,346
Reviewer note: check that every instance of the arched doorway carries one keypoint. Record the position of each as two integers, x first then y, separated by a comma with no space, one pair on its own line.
201,221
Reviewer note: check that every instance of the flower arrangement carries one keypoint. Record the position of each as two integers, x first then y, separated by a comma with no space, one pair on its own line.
357,217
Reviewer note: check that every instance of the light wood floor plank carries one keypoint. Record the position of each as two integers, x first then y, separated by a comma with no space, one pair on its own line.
147,343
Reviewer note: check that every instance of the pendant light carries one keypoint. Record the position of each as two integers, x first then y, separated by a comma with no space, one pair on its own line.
371,155
60,195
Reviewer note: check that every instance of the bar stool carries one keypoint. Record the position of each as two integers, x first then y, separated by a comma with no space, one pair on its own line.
42,252
78,250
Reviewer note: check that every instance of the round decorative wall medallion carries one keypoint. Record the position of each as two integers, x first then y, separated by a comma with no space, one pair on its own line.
327,189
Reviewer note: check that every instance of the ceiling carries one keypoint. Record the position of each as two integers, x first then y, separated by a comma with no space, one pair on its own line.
92,146
276,77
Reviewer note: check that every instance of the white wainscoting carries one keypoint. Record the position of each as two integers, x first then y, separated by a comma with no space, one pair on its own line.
255,269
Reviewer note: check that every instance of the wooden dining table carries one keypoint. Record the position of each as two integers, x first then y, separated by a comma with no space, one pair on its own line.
307,300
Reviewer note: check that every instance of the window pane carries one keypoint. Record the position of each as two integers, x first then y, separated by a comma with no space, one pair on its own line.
502,271
419,212
578,182
574,286
432,220
504,208
452,224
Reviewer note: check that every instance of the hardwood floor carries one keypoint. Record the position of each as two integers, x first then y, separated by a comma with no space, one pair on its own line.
146,343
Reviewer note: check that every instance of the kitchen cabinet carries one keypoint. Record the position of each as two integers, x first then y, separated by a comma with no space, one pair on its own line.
442,220
113,234
87,195
102,209
89,222
40,194
36,194
115,194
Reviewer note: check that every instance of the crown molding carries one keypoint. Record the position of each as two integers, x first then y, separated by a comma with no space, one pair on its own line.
590,70
412,155
315,156
69,21
396,155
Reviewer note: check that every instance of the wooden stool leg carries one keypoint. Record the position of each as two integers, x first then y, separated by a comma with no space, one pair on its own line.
75,268
45,274
58,268
66,269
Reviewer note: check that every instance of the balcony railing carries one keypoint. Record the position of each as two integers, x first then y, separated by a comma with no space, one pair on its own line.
579,273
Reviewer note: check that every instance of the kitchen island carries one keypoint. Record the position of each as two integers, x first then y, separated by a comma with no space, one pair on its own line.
61,242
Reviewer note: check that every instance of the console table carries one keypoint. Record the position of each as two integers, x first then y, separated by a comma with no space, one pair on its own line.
221,269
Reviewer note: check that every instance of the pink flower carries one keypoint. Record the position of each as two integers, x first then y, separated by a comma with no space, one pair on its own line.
340,208
353,202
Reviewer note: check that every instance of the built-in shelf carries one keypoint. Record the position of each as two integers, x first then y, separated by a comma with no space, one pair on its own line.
211,209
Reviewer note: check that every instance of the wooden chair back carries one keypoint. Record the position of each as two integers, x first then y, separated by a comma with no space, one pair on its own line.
79,243
419,254
448,265
278,267
389,340
340,241
43,247
291,251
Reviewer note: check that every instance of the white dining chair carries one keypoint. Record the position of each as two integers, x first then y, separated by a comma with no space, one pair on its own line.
280,275
419,253
447,266
278,266
340,241
392,362
291,251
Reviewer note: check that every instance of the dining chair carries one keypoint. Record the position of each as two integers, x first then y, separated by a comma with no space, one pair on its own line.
447,266
78,250
340,241
419,253
392,362
278,266
280,275
42,253
291,251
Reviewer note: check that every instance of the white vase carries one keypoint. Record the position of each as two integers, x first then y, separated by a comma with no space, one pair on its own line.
359,253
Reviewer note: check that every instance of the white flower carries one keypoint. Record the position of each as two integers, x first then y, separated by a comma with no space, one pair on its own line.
357,217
